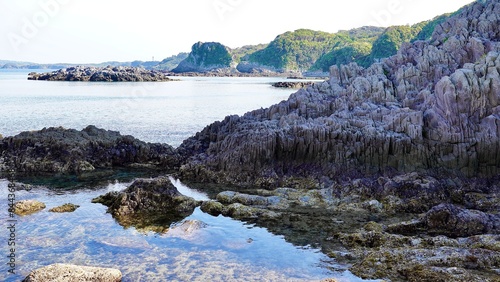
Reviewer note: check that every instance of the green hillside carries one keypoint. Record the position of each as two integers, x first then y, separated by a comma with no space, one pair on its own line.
297,50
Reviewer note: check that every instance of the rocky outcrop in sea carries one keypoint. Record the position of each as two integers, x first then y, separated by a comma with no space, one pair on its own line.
432,108
107,74
292,84
149,204
69,150
205,57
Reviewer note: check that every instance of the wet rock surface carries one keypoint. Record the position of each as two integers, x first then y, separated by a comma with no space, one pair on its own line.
74,273
27,207
402,227
68,150
107,74
149,205
65,208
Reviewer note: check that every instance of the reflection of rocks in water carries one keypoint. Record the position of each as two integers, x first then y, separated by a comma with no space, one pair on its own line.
149,205
124,242
187,229
353,220
65,208
26,207
379,254
89,179
68,272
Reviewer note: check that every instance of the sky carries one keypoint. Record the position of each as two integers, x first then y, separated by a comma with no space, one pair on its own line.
94,31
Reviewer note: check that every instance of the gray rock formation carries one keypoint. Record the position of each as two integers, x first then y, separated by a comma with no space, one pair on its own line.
69,150
149,204
434,107
107,74
453,221
294,84
74,273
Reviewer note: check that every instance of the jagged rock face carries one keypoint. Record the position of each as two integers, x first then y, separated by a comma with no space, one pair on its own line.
433,107
69,150
107,74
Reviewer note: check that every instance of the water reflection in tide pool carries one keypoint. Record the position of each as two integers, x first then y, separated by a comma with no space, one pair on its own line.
223,250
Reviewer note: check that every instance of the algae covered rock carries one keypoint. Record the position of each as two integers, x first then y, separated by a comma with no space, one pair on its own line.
26,207
70,151
65,208
147,203
68,272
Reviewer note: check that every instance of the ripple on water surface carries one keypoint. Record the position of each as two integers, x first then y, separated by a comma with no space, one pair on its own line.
218,249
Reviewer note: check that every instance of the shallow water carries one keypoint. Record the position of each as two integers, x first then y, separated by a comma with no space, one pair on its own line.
224,250
166,112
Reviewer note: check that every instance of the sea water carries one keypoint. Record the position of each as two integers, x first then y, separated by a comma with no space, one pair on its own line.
223,250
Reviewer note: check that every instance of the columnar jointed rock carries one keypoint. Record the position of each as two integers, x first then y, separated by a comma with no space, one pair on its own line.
149,203
74,273
107,74
68,150
433,107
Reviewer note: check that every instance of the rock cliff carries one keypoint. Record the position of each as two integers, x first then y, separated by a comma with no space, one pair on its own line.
107,74
434,107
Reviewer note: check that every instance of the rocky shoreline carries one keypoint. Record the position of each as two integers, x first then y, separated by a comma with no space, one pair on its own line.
392,169
96,74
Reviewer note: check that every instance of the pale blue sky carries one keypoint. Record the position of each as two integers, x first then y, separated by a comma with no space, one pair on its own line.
91,31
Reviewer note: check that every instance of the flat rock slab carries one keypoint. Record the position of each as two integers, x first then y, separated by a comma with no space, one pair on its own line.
73,273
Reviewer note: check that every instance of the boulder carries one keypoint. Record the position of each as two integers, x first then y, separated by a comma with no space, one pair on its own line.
27,207
64,208
74,273
149,203
453,221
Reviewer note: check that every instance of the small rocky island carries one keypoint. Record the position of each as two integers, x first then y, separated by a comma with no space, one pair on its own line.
292,84
107,74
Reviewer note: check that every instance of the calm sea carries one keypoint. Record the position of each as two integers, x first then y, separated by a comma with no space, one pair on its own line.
225,250
166,112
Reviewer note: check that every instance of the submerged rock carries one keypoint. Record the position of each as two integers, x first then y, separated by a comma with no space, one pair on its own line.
107,74
27,207
68,150
74,273
65,208
149,204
